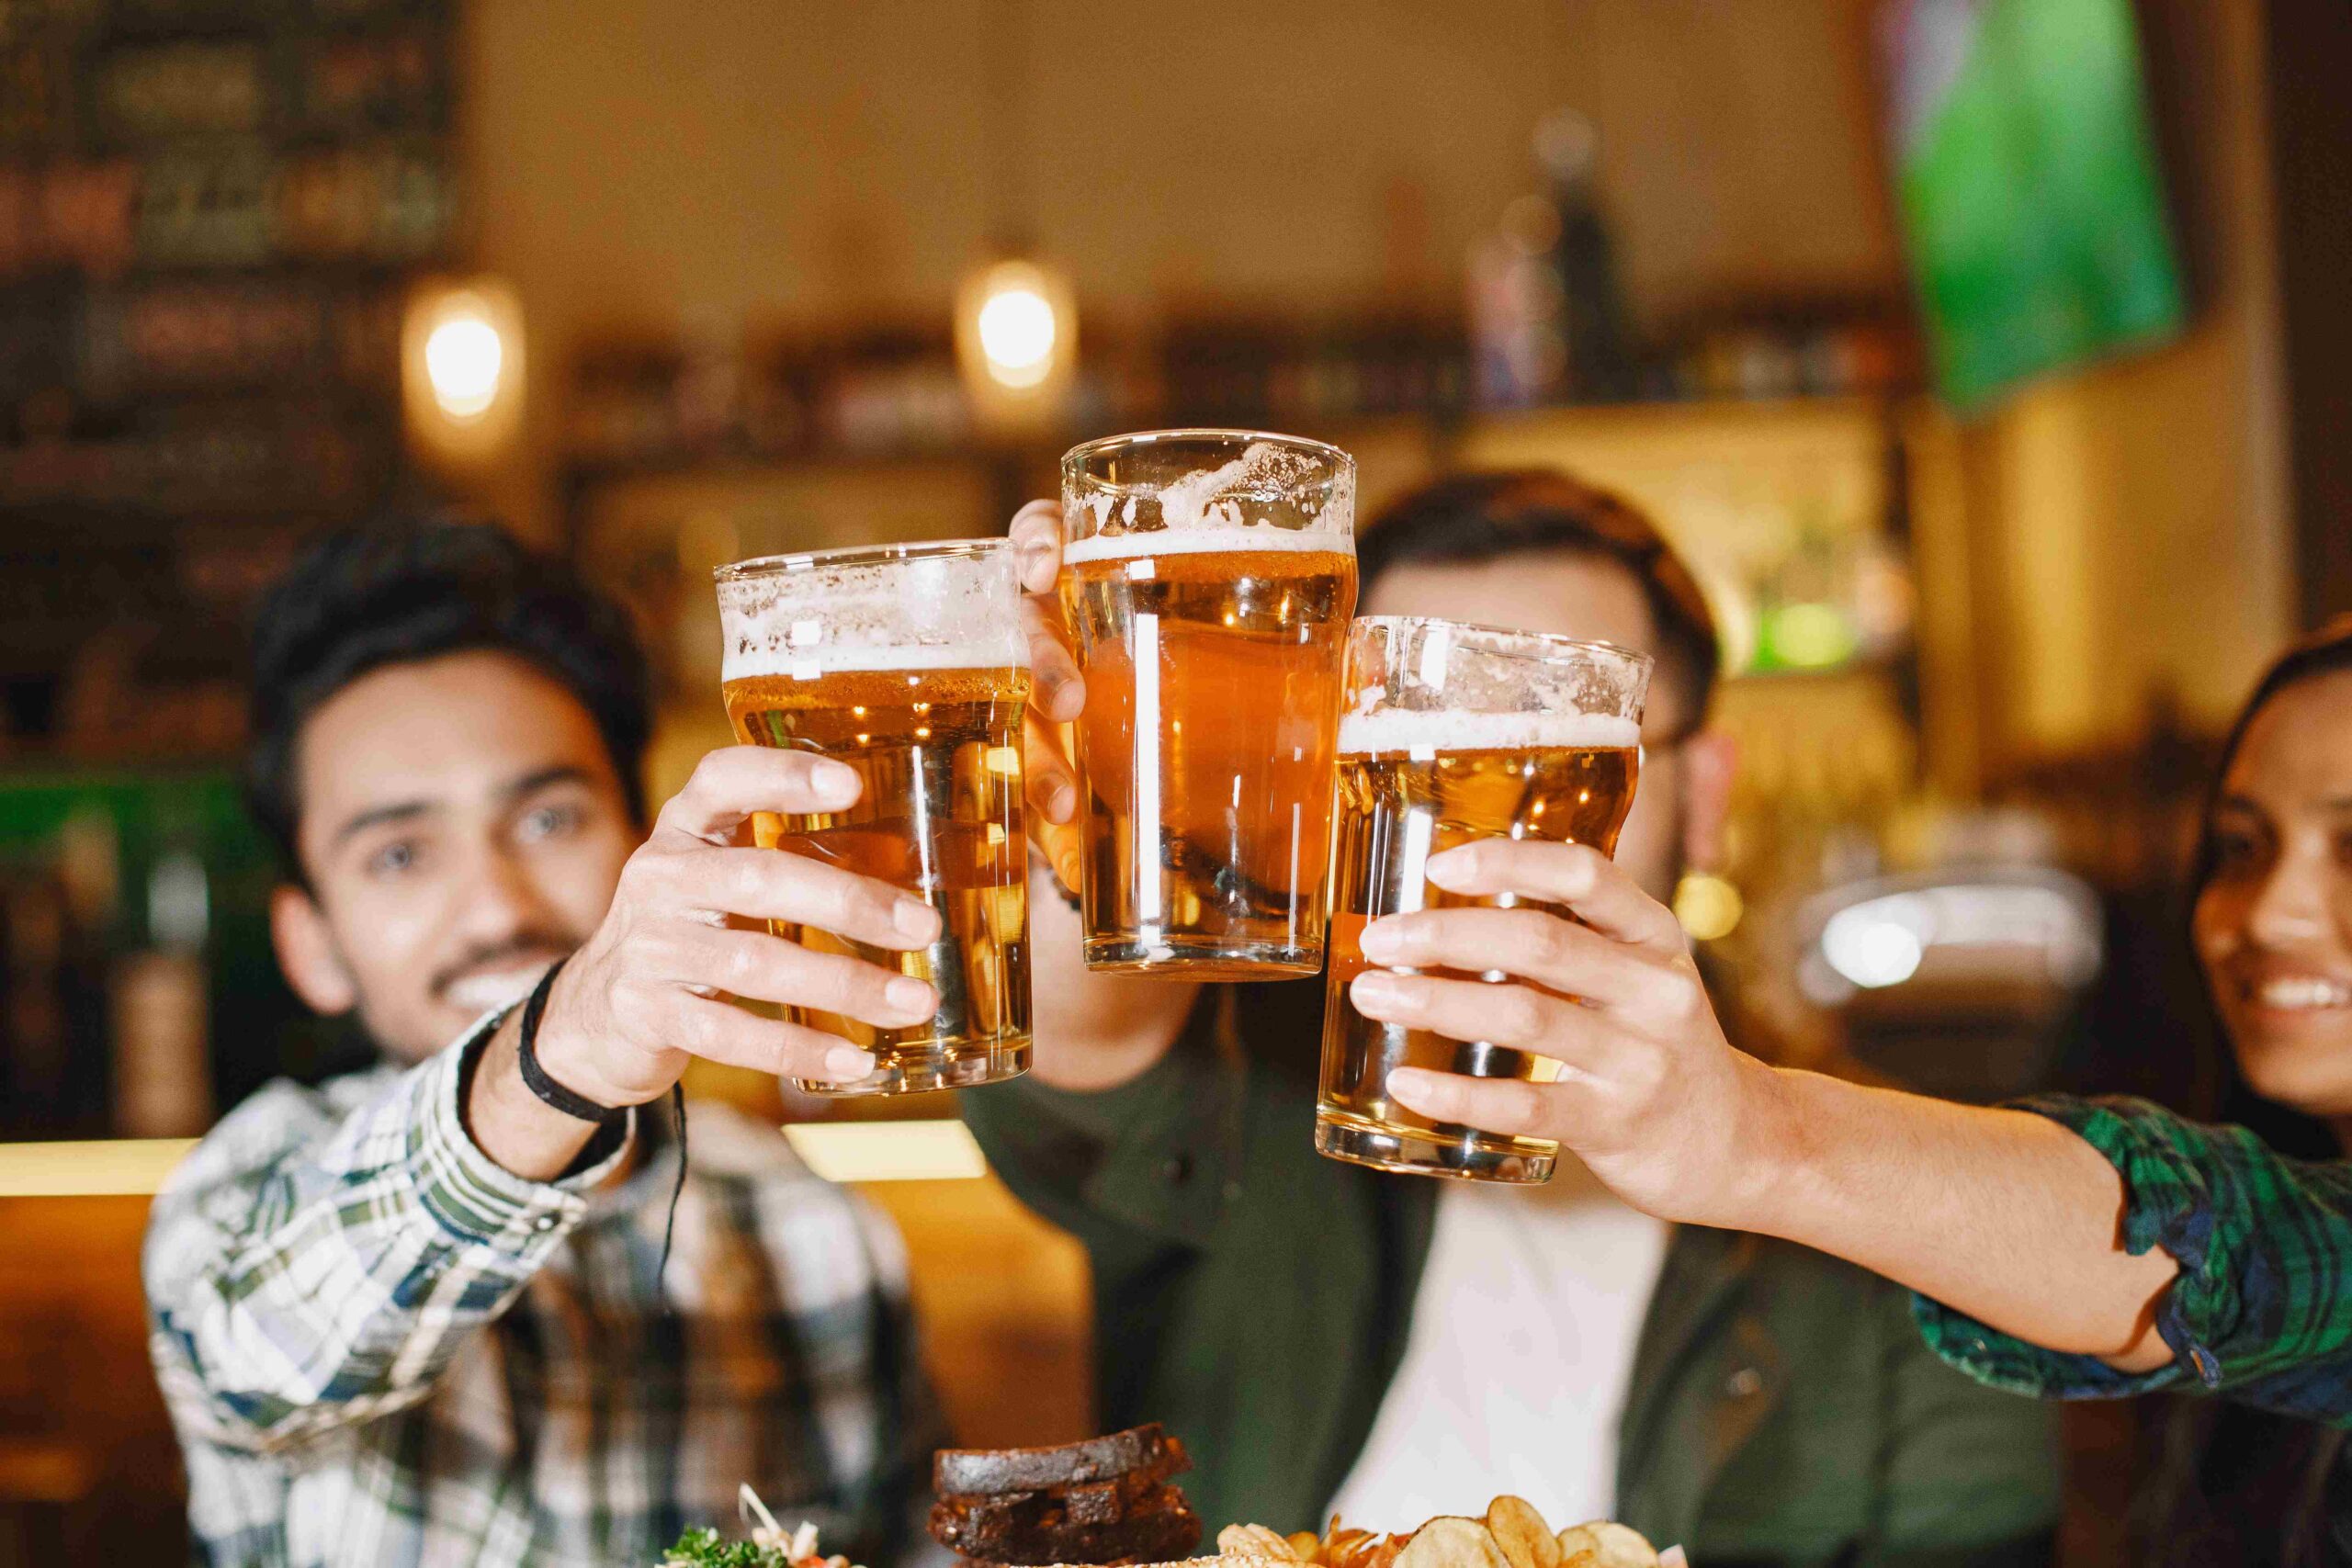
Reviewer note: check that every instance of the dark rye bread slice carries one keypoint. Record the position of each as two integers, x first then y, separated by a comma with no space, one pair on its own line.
968,1472
1164,1536
1044,1527
1090,1502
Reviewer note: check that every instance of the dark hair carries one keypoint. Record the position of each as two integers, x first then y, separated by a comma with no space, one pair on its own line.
2275,1473
397,591
1479,517
2325,652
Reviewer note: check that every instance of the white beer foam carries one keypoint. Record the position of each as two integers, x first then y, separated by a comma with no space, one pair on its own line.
1450,730
1208,509
941,613
1202,541
804,664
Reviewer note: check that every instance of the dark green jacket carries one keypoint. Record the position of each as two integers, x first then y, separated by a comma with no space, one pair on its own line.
1255,1297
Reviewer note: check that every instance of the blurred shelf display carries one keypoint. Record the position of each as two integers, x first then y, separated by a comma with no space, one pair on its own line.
209,214
894,390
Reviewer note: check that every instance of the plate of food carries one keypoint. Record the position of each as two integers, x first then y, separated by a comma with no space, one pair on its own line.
1112,1502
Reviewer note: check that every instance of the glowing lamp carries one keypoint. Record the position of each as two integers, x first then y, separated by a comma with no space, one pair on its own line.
1016,342
461,368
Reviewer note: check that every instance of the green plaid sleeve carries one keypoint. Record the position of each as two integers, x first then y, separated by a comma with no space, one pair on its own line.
2262,1309
305,1270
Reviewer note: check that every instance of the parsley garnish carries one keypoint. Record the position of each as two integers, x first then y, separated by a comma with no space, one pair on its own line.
703,1549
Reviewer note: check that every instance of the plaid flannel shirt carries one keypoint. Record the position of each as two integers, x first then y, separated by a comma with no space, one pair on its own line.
2262,1309
380,1347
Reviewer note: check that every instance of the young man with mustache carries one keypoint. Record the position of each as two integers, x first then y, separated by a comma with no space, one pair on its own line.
422,1314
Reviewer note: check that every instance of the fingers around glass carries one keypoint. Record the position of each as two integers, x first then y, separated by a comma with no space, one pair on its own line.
1577,875
1051,782
1057,690
1505,1106
1531,943
722,1032
732,784
762,885
770,969
1036,535
1517,1016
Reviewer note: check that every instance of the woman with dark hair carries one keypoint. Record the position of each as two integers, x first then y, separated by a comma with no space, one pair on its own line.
2272,924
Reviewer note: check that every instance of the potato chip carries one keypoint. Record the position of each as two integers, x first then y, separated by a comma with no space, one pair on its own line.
1451,1542
1255,1541
1605,1544
1521,1533
1304,1545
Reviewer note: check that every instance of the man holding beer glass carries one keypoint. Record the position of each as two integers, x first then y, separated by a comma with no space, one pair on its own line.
1327,1336
427,1312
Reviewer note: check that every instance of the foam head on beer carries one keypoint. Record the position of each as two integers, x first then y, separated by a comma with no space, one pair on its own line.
1275,494
909,663
901,607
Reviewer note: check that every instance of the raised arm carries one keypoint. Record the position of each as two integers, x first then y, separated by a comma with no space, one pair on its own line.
2031,1232
306,1270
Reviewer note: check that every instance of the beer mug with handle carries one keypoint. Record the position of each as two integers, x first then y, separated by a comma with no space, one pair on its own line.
1449,733
909,663
1209,576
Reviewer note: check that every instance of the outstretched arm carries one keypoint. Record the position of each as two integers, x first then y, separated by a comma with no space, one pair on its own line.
2003,1215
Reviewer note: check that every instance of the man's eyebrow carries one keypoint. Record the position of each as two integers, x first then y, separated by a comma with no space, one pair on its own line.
539,778
376,817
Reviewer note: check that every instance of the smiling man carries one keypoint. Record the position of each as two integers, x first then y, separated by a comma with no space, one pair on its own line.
422,1314
1334,1339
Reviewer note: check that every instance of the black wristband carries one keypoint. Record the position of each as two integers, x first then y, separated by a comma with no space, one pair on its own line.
535,1077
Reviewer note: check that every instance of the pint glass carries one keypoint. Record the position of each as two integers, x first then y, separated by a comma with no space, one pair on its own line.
1451,733
906,662
1209,578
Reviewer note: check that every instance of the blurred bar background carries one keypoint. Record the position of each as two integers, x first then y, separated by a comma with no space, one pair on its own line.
1996,389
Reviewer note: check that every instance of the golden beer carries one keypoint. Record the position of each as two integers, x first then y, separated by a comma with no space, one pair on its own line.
1212,649
1412,783
936,738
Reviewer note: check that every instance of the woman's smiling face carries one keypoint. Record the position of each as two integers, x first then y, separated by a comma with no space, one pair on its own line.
2274,924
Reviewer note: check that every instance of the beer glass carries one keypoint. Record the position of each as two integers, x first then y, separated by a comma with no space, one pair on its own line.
1210,575
1451,733
906,662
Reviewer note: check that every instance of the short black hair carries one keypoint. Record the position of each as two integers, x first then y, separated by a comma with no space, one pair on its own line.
1471,517
408,589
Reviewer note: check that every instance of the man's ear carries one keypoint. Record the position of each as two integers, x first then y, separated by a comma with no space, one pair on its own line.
1710,763
307,952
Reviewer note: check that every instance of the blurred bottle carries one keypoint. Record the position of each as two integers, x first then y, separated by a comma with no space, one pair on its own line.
34,982
1517,343
1546,321
161,1006
1600,366
55,909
